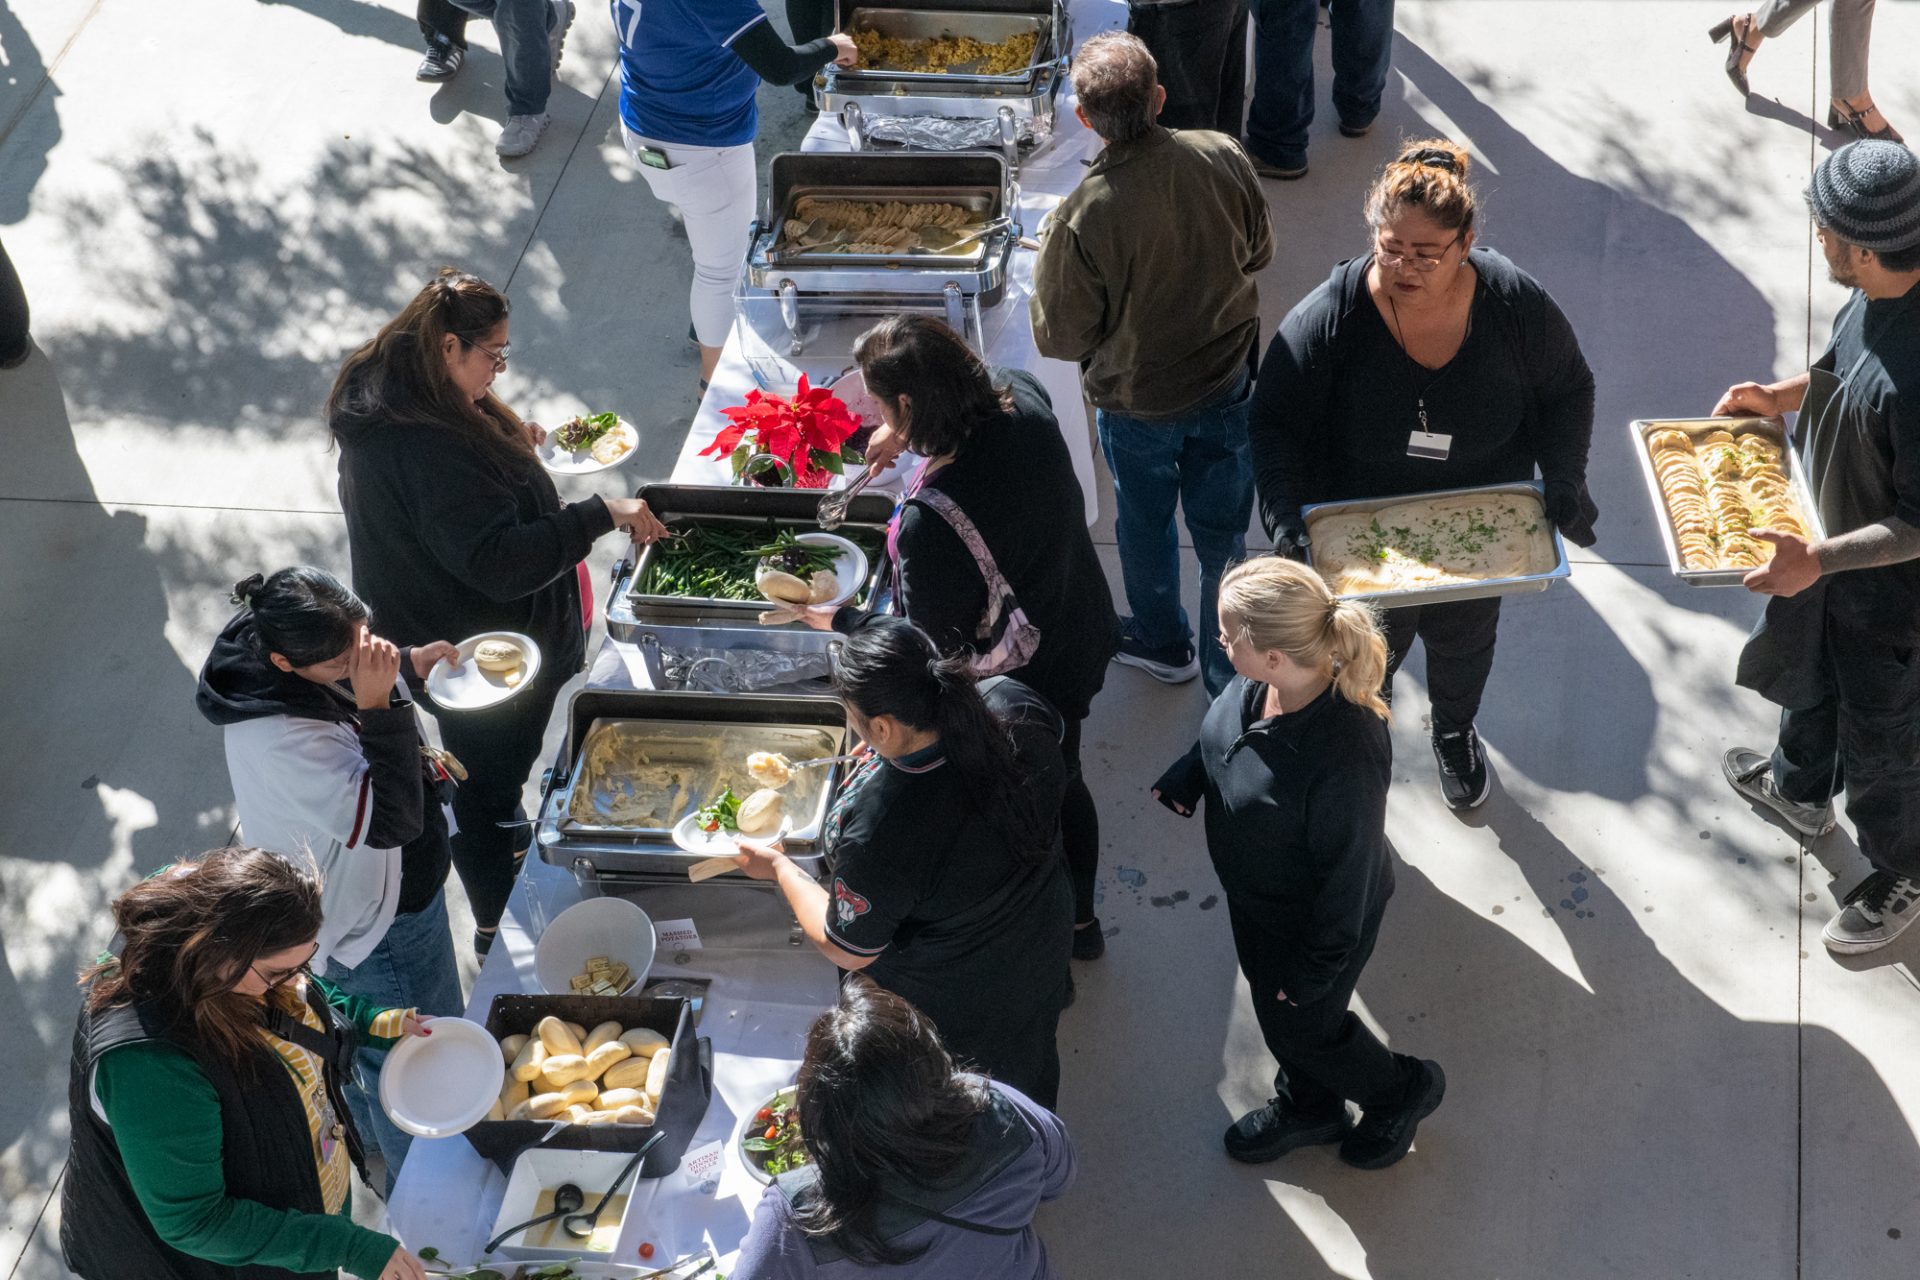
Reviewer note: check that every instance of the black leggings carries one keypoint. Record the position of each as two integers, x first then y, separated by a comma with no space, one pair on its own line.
14,317
1079,826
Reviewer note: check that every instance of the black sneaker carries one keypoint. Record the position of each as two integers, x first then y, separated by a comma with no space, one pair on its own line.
1089,943
1169,664
15,359
1383,1136
1356,128
1273,1130
1751,774
1877,911
1463,768
441,63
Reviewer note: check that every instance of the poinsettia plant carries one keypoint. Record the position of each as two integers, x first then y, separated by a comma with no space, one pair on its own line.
805,434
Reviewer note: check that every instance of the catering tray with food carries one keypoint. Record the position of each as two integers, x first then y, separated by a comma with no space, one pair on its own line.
951,58
638,763
1454,544
597,1073
1715,480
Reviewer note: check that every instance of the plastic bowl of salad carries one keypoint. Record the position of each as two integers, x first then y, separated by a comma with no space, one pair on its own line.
768,1140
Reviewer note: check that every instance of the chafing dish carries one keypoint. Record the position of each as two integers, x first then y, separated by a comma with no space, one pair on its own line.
967,90
1454,590
1774,429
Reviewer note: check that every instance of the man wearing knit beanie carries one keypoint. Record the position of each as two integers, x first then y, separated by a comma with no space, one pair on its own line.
1839,647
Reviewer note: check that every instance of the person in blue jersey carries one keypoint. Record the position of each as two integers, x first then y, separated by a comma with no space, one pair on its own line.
688,73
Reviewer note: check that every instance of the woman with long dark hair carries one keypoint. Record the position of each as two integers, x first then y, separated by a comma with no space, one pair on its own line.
209,1135
915,1168
324,749
455,529
947,886
991,549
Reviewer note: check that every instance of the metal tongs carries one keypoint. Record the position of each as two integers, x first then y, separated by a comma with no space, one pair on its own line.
832,511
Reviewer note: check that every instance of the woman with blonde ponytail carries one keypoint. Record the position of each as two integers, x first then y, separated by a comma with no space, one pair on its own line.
1293,762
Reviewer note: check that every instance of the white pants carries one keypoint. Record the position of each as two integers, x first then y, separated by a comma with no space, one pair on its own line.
714,189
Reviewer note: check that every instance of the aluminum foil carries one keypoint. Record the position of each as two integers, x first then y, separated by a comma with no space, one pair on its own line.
742,670
943,133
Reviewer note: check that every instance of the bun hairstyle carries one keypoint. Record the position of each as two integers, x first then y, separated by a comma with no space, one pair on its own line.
305,615
1276,603
1429,175
950,389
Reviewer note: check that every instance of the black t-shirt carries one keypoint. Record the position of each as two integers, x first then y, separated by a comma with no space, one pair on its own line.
972,930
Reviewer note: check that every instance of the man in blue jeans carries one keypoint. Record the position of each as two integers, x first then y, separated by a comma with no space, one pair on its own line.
1146,278
1283,32
532,34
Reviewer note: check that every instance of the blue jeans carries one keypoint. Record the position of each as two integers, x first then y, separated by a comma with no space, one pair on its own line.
411,968
1202,461
522,27
1283,70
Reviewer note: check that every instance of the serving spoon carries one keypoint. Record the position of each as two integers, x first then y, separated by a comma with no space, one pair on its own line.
580,1225
567,1198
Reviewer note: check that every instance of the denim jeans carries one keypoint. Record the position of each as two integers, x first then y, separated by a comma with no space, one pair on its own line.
1202,461
411,968
1283,70
522,27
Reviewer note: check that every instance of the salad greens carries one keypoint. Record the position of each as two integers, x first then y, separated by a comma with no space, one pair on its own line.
579,434
774,1140
722,813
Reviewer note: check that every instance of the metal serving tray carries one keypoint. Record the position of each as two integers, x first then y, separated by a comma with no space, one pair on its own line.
1452,591
1773,428
1031,93
931,24
983,204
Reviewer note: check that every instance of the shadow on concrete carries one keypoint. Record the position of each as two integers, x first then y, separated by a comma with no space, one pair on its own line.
29,120
360,18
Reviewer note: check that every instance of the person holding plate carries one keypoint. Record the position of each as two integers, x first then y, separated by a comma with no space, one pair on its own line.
948,887
1426,364
326,755
209,1138
454,529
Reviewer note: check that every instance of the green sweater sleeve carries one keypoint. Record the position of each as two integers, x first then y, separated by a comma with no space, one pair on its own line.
166,1121
357,1010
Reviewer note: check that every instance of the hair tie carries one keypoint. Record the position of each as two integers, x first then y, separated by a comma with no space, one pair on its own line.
244,589
1434,158
937,672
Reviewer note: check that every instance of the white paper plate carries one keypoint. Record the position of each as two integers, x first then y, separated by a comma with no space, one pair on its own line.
850,568
467,687
439,1085
721,844
564,462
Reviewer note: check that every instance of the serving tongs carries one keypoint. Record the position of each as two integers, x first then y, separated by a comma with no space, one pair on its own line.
931,240
832,511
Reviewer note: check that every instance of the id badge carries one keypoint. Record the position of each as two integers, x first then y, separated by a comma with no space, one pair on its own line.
1428,444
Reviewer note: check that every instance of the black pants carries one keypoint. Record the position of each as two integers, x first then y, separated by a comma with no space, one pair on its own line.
1459,638
1201,46
14,316
809,20
498,747
1025,1056
1326,1055
441,22
1865,737
1079,827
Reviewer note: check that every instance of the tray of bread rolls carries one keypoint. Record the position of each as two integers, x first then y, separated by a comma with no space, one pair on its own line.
1713,482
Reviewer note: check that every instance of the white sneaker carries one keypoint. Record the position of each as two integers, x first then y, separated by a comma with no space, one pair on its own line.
521,135
1879,909
563,12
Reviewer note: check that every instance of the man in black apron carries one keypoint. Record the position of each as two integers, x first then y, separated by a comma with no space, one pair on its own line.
1839,647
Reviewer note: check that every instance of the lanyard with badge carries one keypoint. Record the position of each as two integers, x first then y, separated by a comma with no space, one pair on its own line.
1424,441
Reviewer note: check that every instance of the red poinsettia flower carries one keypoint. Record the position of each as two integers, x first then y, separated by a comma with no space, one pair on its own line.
804,432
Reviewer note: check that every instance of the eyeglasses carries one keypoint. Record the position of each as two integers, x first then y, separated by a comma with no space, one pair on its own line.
278,977
499,357
1410,261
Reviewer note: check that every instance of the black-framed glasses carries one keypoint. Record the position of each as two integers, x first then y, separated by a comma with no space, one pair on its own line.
279,977
1412,262
499,357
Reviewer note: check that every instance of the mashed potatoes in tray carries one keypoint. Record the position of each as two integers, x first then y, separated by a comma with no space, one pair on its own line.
1433,542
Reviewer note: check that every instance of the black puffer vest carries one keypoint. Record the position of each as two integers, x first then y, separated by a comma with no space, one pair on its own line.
266,1152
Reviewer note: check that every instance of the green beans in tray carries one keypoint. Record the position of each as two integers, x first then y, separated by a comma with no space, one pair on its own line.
718,561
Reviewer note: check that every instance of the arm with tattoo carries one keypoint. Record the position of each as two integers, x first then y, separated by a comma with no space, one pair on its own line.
1883,542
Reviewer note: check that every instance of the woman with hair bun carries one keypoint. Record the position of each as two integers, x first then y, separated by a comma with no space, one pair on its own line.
1426,364
948,887
1293,763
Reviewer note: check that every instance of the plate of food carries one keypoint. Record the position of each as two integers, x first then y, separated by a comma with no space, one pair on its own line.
713,827
768,1140
803,569
586,443
492,667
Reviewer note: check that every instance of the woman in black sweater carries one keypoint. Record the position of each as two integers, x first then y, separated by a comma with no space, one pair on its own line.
995,455
454,529
1427,364
1293,762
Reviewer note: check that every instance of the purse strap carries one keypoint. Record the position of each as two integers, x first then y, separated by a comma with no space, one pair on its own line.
947,509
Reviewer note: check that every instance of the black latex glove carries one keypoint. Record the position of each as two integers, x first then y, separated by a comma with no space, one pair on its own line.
1289,533
1572,511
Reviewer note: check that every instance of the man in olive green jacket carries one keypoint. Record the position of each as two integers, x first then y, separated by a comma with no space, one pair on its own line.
1146,278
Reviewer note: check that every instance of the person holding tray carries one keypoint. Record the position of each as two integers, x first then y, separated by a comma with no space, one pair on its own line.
947,883
455,529
1836,646
1293,762
1426,364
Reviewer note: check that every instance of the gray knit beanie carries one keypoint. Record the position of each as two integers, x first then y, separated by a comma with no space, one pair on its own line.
1868,194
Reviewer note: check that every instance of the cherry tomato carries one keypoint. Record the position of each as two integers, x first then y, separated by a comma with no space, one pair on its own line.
773,1132
646,1248
763,1115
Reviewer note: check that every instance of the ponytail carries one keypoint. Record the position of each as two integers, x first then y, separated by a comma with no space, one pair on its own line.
1359,655
305,615
1284,605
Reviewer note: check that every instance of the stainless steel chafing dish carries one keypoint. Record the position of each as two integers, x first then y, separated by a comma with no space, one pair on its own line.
663,625
637,761
1531,489
1026,93
1774,429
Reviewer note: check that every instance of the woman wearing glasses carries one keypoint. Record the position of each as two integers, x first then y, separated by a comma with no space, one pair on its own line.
455,529
1426,364
209,1136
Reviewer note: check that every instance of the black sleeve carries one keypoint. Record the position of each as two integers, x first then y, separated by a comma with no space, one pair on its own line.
1184,782
1346,834
1561,389
1287,427
390,738
470,521
941,590
776,61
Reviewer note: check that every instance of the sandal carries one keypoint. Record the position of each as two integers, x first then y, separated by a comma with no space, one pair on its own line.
1844,115
1740,53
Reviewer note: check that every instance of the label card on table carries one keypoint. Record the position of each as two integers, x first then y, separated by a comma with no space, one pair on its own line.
677,935
701,1168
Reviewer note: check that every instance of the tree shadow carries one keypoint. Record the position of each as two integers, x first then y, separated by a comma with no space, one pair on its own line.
29,118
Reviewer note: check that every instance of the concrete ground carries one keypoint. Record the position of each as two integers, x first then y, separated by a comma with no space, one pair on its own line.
1656,1070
